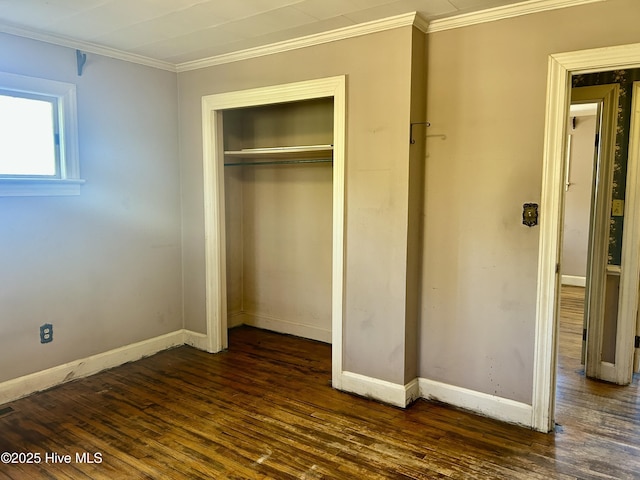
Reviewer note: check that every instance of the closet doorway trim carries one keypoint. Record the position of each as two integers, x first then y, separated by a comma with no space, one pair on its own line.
214,208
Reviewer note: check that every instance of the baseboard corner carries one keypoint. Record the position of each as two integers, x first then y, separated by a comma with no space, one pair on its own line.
497,408
380,390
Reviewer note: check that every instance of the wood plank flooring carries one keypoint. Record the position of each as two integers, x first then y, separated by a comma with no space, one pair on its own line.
265,409
605,416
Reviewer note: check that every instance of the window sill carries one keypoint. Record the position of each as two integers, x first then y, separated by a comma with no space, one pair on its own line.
25,187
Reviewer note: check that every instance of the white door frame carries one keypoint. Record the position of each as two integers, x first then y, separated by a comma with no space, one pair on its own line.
214,208
607,97
560,69
631,231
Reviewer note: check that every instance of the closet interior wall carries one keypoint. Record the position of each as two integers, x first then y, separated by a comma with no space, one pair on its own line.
279,221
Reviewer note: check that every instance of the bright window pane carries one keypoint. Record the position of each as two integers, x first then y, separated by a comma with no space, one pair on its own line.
27,140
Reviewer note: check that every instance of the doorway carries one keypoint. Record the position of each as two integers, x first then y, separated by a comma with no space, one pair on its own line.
561,69
602,270
588,305
213,107
580,169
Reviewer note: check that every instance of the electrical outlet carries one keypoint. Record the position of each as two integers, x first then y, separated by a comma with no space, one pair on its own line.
46,333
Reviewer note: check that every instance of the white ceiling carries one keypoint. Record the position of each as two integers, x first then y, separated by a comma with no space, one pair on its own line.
178,31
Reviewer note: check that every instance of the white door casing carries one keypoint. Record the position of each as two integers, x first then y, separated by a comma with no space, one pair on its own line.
214,207
560,69
630,281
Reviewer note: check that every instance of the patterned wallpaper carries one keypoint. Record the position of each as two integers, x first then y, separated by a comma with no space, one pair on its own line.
625,78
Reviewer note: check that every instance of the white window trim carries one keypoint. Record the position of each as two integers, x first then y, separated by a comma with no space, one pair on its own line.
69,181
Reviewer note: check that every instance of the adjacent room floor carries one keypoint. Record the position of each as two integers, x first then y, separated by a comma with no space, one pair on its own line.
265,409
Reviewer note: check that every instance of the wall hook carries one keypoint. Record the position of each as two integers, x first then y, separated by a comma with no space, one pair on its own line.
81,59
411,139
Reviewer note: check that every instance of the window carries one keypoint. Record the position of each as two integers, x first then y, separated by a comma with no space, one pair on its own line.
28,136
38,137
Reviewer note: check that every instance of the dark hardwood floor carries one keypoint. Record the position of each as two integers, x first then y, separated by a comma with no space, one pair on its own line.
603,417
265,409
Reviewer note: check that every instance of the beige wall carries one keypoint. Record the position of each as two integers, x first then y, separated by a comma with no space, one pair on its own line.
577,204
378,69
102,267
287,235
486,89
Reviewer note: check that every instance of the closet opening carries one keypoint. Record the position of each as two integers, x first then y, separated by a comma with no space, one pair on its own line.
278,184
274,182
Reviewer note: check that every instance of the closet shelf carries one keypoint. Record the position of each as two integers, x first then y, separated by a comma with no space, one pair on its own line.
279,155
301,151
279,162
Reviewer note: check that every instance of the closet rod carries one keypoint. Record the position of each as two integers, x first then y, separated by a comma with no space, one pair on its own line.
280,162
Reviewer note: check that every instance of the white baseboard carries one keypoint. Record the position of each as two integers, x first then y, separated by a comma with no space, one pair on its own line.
196,340
491,406
391,393
22,386
484,404
285,326
574,280
383,391
234,319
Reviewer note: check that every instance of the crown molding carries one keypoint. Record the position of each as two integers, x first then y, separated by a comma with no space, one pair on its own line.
501,13
421,23
414,18
407,19
88,47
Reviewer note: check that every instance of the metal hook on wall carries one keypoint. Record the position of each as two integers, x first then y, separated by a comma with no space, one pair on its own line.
81,59
411,139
